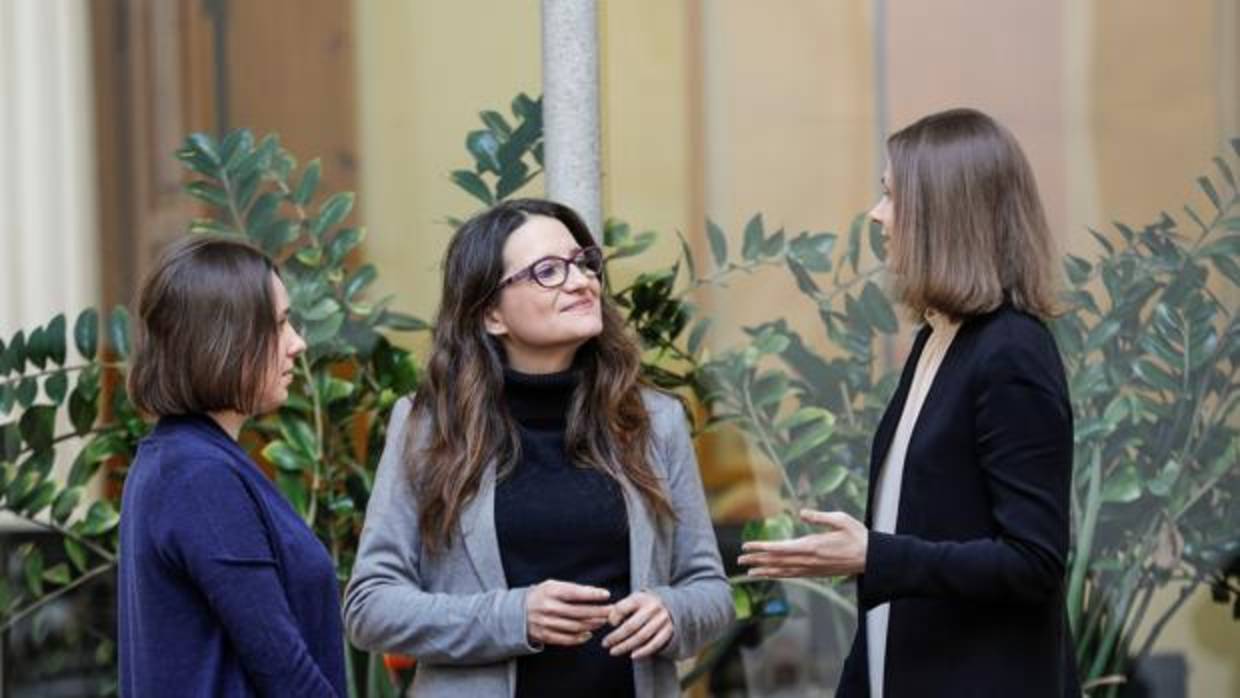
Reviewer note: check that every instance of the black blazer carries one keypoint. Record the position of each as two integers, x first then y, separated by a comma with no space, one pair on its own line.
975,570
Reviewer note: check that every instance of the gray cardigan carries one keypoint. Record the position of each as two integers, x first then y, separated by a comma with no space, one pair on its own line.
455,613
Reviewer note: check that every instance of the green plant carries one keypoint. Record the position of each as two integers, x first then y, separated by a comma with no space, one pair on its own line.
1151,347
322,446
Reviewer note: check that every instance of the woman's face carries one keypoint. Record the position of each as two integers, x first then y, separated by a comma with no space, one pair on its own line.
542,328
288,346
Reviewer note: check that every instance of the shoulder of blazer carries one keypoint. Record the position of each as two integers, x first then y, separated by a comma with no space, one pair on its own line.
1007,339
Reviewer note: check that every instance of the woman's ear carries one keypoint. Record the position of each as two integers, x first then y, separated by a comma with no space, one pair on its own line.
494,323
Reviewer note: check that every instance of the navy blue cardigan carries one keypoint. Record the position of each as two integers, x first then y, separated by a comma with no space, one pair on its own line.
975,569
224,591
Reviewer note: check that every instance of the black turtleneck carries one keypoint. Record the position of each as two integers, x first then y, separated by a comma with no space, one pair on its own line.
556,520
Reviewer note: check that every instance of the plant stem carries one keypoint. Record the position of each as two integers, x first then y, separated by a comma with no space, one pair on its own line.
76,537
1085,542
40,603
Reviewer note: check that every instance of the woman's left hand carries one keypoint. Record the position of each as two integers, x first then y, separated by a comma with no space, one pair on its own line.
837,551
643,626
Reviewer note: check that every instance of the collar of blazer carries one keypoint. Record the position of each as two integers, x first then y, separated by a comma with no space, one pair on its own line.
477,526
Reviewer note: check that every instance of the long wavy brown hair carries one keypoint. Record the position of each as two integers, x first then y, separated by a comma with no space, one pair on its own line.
460,420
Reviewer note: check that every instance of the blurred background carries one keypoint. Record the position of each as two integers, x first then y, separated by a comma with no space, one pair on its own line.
709,109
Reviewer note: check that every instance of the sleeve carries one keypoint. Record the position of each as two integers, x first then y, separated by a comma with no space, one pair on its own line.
219,537
698,597
386,605
1023,425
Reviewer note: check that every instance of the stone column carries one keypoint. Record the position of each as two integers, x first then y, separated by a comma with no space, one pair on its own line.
571,107
48,250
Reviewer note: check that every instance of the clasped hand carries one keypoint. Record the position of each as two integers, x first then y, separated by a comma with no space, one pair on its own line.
567,614
837,551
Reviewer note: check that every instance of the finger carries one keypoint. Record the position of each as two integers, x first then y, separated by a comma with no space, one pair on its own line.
781,572
578,611
635,622
657,643
578,593
641,636
782,560
563,625
551,637
833,519
777,546
623,609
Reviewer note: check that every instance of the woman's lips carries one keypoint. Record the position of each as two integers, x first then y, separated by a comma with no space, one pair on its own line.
583,304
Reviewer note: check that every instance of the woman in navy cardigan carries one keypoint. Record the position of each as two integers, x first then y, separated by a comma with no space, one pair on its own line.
224,591
960,562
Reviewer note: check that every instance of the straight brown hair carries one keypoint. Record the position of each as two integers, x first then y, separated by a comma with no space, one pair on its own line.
206,329
460,407
969,228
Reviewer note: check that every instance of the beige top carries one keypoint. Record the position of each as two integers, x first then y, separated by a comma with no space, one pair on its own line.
891,474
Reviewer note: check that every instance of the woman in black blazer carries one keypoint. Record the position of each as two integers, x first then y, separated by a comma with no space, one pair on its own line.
960,562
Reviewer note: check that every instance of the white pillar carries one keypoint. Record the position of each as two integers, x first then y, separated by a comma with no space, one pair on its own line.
48,218
571,107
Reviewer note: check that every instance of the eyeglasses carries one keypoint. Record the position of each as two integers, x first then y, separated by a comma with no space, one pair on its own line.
552,272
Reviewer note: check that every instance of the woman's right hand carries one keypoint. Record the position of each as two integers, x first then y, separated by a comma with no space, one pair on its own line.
563,613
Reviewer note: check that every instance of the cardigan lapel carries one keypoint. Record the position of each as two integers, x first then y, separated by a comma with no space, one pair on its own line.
641,538
477,524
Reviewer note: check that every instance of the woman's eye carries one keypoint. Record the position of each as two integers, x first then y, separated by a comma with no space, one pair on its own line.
545,271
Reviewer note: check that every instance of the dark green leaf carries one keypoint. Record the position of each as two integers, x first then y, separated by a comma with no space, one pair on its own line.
86,333
277,235
515,175
698,334
878,241
1105,243
1227,267
38,499
343,243
1102,333
205,146
813,251
854,242
294,489
38,424
318,333
1123,486
805,282
8,395
806,442
100,519
331,213
54,335
1078,269
57,574
1150,374
118,331
1208,187
830,480
36,348
56,385
686,254
208,192
16,354
309,182
263,212
773,246
473,185
751,246
496,122
27,391
359,280
718,243
1228,246
32,572
403,322
83,409
76,554
66,503
878,310
484,146
322,310
284,457
236,145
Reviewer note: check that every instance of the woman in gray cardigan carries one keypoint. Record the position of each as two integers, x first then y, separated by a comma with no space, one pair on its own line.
537,524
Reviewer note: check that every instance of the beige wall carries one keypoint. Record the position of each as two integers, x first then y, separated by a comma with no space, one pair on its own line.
425,70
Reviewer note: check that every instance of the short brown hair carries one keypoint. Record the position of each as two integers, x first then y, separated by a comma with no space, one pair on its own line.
206,328
969,228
